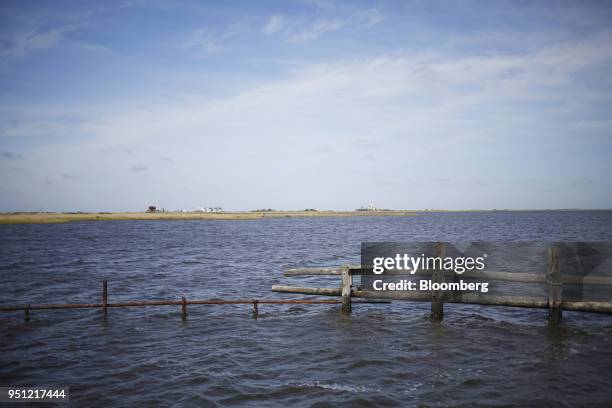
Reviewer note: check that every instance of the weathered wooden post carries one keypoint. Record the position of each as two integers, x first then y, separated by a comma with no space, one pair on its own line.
437,276
184,308
555,286
104,297
255,309
347,283
26,313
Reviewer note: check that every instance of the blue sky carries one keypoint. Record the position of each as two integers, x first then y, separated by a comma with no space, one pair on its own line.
113,106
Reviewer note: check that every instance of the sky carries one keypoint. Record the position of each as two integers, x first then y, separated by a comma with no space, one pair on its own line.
115,106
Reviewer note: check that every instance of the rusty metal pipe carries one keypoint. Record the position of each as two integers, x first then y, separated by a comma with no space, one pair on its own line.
54,306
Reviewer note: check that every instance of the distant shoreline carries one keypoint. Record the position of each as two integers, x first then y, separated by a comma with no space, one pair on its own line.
64,217
56,218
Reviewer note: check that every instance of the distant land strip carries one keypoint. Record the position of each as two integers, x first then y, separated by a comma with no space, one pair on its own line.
53,218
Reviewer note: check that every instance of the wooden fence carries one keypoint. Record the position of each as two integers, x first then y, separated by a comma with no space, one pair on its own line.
553,278
183,303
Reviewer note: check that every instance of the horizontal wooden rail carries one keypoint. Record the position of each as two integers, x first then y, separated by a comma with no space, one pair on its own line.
307,291
466,298
552,278
313,271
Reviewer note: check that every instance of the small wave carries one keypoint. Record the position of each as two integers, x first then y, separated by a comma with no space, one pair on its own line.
334,387
413,388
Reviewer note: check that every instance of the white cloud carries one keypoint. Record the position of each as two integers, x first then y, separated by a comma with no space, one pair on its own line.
330,18
370,17
388,91
315,30
203,43
25,42
420,107
206,43
274,24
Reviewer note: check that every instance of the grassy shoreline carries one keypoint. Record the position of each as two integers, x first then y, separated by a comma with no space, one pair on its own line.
56,218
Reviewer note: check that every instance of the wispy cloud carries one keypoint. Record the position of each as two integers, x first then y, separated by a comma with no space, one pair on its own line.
274,24
388,94
46,124
315,30
203,43
330,19
366,102
24,42
370,17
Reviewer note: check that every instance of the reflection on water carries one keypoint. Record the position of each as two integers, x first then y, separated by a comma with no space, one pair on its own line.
294,354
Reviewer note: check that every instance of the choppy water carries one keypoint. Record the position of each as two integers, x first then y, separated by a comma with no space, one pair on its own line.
385,355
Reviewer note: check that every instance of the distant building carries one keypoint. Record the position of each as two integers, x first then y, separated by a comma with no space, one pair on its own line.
211,209
152,209
370,207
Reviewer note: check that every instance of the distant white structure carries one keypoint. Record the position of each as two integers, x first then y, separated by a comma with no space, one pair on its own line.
370,207
210,209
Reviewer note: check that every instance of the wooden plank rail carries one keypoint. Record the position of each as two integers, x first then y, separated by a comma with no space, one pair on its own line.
307,291
553,278
466,298
313,271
